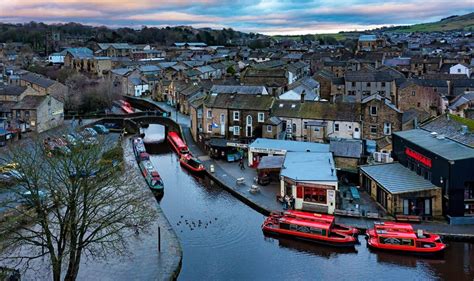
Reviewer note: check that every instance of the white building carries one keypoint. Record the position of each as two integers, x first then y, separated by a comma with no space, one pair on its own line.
460,69
310,177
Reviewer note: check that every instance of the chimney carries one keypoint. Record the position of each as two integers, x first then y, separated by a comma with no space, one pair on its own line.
303,94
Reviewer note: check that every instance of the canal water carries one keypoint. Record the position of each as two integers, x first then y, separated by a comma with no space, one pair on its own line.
222,240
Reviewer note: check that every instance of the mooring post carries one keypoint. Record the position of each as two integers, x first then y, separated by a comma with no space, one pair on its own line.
159,239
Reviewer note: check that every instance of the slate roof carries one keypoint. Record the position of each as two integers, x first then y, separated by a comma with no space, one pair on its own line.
81,52
445,148
11,90
271,162
37,80
378,97
237,89
316,110
205,69
424,83
349,148
301,166
368,76
451,129
292,146
461,100
30,102
240,102
396,178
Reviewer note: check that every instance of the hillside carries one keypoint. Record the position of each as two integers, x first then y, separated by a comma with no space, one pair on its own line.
35,34
464,22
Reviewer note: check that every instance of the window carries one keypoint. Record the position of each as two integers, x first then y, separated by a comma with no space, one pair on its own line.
27,113
209,114
315,195
382,93
261,117
418,104
353,84
209,128
373,110
316,129
269,128
413,93
305,124
236,116
383,84
373,129
236,131
459,70
351,93
368,84
387,128
469,190
336,127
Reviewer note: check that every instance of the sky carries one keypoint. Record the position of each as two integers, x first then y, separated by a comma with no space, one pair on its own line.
269,17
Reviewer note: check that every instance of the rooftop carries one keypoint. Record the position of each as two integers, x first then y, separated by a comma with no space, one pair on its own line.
396,178
445,147
309,166
286,145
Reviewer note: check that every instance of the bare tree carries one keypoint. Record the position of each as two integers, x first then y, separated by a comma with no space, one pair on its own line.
78,203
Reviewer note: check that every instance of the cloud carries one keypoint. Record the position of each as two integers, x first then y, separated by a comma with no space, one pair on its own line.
266,16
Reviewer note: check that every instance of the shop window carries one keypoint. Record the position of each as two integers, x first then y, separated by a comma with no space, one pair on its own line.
469,190
469,209
315,195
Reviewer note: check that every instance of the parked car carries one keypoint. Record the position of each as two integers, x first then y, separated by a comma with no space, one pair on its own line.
89,132
101,129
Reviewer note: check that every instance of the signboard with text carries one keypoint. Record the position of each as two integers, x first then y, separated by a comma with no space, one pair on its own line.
418,157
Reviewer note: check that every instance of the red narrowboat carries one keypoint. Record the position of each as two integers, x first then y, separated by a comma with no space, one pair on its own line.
177,143
191,163
341,228
314,231
400,237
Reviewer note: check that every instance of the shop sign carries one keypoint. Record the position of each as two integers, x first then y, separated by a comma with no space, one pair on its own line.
418,157
267,150
234,144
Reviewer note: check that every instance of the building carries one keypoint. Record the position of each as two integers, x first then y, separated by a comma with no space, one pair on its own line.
38,113
460,69
318,121
418,94
379,117
462,104
312,191
369,42
265,147
444,163
400,191
364,83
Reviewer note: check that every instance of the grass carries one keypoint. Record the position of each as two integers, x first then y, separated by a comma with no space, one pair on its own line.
468,122
465,22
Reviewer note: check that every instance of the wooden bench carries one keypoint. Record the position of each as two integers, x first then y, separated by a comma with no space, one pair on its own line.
240,181
408,218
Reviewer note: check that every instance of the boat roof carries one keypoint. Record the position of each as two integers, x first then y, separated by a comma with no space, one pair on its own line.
307,223
313,216
393,225
395,234
177,140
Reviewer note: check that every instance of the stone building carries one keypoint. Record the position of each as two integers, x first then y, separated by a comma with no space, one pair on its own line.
38,113
418,94
379,117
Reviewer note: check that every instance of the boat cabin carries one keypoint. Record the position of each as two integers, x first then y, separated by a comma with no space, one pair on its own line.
318,228
177,143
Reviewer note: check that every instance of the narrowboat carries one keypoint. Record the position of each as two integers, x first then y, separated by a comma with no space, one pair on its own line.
341,228
177,143
138,147
191,163
400,237
313,231
151,176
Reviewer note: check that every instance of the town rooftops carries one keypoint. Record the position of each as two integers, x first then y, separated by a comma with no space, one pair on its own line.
368,76
240,102
443,147
30,102
190,44
11,90
286,145
468,97
302,166
349,148
80,52
37,80
231,89
452,127
317,110
367,37
396,178
380,98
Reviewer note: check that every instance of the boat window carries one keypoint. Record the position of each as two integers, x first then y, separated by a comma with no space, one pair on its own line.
284,226
299,228
318,231
396,241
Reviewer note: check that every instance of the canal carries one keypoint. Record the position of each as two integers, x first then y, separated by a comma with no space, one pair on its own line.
222,240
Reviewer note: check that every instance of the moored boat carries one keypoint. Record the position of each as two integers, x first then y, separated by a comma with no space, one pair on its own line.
314,231
191,163
400,237
151,176
177,143
341,228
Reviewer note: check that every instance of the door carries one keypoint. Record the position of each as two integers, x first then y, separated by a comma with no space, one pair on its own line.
248,132
222,124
